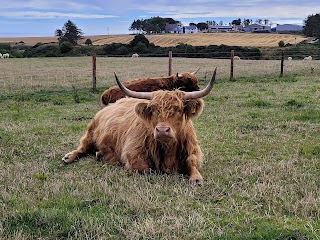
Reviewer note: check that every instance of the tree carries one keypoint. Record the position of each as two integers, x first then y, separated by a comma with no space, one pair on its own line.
192,24
246,22
69,31
151,25
136,25
88,42
202,25
212,23
236,22
311,26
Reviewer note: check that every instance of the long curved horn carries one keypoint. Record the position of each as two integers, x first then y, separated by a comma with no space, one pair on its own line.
203,92
195,72
128,92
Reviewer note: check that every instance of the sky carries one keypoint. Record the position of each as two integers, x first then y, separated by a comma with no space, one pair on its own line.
33,18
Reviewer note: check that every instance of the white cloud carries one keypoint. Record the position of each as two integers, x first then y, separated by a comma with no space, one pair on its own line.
44,4
48,15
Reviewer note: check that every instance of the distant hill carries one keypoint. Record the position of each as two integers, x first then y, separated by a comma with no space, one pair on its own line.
166,40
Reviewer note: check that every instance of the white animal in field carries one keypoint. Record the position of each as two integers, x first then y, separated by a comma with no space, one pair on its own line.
135,55
289,58
307,58
236,58
5,55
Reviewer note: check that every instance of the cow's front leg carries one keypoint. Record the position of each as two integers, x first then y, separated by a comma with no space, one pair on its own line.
135,162
193,166
87,146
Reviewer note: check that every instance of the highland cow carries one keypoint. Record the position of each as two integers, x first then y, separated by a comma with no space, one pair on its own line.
187,82
149,131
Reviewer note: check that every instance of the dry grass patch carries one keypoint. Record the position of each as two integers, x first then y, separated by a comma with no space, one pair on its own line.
167,40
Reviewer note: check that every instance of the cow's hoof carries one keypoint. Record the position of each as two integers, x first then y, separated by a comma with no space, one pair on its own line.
68,158
198,182
99,156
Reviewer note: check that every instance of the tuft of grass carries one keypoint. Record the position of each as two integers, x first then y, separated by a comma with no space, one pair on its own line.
253,114
40,176
268,78
75,95
39,223
259,103
294,103
308,115
312,151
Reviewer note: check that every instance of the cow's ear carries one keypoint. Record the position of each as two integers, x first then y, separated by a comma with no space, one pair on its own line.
143,111
193,108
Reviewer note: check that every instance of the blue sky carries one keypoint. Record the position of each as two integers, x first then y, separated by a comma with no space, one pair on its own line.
93,17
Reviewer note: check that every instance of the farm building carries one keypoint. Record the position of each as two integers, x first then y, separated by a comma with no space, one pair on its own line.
190,29
173,28
179,28
286,28
218,28
257,27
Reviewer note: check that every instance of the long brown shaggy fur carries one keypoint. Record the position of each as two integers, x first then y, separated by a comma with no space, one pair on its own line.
126,132
186,82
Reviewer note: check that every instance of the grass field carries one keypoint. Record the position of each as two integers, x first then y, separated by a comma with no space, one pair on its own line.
259,135
166,40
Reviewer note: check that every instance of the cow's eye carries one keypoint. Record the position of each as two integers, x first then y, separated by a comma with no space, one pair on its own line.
178,110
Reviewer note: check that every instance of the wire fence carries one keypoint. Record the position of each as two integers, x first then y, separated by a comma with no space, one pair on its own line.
34,74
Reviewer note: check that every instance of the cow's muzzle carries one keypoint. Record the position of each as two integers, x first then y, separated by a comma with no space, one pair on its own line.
163,132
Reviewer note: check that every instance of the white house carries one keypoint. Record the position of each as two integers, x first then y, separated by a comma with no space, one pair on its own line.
190,29
173,28
257,27
179,28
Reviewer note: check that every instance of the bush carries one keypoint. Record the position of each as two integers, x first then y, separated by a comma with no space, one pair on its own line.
38,44
5,46
122,51
45,50
140,38
281,43
140,48
65,47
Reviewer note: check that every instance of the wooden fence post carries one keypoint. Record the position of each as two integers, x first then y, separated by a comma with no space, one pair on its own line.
170,63
231,69
94,72
282,61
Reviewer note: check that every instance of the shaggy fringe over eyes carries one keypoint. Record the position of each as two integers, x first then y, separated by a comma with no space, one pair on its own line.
164,101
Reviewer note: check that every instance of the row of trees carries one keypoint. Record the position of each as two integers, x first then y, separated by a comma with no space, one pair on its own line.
151,25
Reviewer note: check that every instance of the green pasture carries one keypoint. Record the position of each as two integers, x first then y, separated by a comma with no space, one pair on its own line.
260,136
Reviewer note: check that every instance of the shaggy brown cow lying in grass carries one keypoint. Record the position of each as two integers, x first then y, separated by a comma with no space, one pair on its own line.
187,82
151,131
